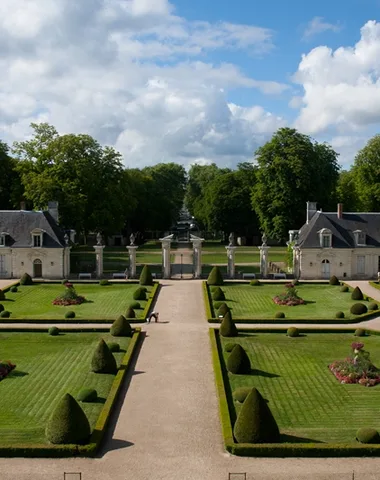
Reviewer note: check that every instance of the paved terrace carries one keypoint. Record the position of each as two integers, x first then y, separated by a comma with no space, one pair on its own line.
166,425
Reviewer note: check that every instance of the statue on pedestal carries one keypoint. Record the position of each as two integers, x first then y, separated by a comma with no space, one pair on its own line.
132,239
231,239
264,240
99,238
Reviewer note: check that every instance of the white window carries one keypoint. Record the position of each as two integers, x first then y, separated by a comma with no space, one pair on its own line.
325,238
360,237
326,241
37,240
360,264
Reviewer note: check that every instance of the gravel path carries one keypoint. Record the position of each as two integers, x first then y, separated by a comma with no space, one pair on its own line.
167,424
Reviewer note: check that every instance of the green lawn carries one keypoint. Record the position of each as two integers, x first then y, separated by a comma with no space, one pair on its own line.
242,256
257,302
103,302
306,399
47,368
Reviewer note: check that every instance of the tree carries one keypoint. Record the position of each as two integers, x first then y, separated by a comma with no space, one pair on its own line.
346,191
292,170
366,176
10,183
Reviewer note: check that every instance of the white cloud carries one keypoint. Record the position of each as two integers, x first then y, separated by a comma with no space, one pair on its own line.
317,25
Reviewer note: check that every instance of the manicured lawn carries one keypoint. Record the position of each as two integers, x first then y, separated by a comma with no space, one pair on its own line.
323,301
305,398
242,256
47,368
103,302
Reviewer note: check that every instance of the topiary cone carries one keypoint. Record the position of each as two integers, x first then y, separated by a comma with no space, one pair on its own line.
26,279
223,309
121,327
146,276
2,295
357,294
215,277
68,423
103,361
218,295
130,313
238,362
255,422
228,327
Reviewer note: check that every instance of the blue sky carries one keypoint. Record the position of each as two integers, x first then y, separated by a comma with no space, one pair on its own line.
191,81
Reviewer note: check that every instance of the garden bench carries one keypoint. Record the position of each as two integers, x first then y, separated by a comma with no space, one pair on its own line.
249,275
119,275
279,275
84,275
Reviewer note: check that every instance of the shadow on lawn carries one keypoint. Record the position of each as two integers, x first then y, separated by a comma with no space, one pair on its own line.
262,373
17,373
285,438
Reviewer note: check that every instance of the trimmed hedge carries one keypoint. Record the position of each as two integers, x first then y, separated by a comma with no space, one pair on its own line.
14,289
238,362
373,306
135,305
114,347
121,327
227,327
334,280
279,315
215,277
367,435
26,279
229,347
87,395
1,307
53,331
146,276
103,361
344,288
207,301
360,332
139,294
130,313
2,295
357,294
240,394
5,314
70,314
218,294
104,283
358,309
255,283
339,314
223,309
293,332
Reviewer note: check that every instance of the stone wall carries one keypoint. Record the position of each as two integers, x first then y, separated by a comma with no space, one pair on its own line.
20,260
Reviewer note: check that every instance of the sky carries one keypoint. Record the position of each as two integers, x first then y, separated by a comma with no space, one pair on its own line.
191,81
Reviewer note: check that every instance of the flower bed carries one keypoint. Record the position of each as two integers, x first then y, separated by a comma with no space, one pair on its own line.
69,297
5,368
290,297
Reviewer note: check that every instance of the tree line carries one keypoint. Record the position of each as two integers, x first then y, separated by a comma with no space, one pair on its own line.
96,193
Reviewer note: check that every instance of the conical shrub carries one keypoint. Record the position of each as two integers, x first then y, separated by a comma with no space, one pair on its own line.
218,294
2,295
68,423
121,327
215,277
357,294
26,279
228,327
238,361
255,422
130,313
139,294
223,309
146,276
334,280
103,361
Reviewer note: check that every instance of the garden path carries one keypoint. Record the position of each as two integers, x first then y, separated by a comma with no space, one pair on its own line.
168,424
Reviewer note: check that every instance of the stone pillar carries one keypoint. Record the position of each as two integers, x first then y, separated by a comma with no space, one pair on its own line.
66,262
132,260
99,260
264,260
296,262
166,241
231,261
197,255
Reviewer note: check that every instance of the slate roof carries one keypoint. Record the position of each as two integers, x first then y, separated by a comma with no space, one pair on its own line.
20,223
342,229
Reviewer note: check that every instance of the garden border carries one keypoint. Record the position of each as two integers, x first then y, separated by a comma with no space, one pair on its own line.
276,449
90,449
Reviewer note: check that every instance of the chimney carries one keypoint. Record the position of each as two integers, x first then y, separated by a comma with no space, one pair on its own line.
340,210
22,205
53,210
311,210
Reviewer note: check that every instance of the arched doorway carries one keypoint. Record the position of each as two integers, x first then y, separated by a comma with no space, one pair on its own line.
37,268
325,269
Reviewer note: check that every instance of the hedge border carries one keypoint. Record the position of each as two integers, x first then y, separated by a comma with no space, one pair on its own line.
276,449
207,300
151,299
89,450
375,285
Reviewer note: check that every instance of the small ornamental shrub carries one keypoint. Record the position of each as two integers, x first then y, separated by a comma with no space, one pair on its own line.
103,361
289,297
240,394
130,313
238,361
223,309
229,347
218,295
135,305
279,315
215,277
255,283
1,307
358,309
227,327
293,332
255,422
334,280
6,367
357,294
26,279
2,295
114,347
121,327
53,331
14,289
68,423
64,281
373,306
104,282
217,305
339,315
87,395
146,276
139,294
5,314
69,296
367,435
366,299
360,332
344,288
70,314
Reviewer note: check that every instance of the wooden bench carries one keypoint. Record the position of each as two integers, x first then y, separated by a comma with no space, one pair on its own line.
249,275
279,275
84,275
119,275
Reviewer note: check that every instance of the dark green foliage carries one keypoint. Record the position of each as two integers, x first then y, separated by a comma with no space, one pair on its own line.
255,283
87,395
70,314
5,314
135,305
68,423
357,294
229,347
279,315
360,332
130,313
344,288
53,331
358,309
1,307
64,281
367,435
228,327
103,361
334,280
121,327
255,422
114,347
146,276
339,315
26,279
217,305
223,309
373,306
139,294
104,282
238,361
293,332
215,277
2,295
240,394
218,294
14,289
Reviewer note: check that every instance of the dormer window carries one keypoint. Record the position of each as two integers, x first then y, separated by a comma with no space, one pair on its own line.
37,237
325,238
3,237
360,237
